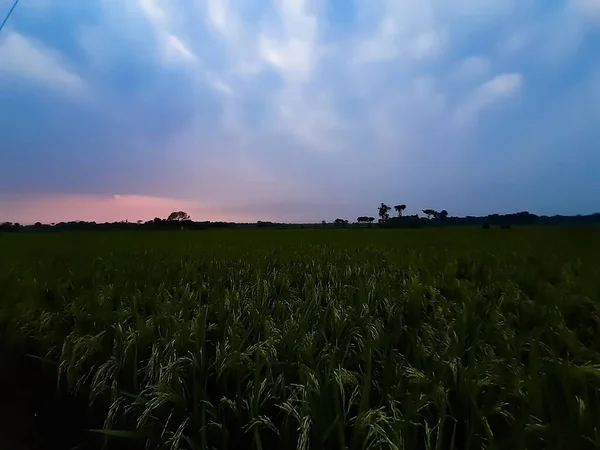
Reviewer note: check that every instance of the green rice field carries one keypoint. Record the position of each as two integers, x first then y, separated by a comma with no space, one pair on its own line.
446,338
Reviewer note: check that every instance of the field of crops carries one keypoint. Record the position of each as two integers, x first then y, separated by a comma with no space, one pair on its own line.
306,339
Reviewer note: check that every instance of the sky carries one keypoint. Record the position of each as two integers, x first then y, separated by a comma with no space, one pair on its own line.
297,110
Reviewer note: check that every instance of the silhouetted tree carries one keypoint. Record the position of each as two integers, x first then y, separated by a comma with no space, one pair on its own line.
384,212
400,209
178,216
430,213
365,219
442,214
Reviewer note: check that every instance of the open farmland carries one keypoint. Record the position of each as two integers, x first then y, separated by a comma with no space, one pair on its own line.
305,339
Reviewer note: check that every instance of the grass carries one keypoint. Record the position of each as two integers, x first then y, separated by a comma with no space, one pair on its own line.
346,339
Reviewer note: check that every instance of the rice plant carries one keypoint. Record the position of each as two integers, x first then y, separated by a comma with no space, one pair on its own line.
305,339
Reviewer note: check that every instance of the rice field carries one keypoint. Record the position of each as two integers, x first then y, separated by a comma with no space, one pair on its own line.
451,338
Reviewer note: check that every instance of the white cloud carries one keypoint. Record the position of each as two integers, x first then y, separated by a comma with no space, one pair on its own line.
240,38
312,121
294,53
425,44
291,58
470,69
554,36
428,29
493,91
23,57
397,36
380,46
422,79
144,28
173,49
153,11
219,84
221,16
303,109
500,86
402,68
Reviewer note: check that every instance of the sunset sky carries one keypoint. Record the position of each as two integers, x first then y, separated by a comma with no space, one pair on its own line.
297,110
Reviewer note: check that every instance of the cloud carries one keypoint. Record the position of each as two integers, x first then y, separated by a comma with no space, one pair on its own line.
471,68
173,49
294,52
493,91
24,58
395,38
320,105
222,17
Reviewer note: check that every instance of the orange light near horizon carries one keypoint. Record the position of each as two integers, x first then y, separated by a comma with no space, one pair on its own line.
28,209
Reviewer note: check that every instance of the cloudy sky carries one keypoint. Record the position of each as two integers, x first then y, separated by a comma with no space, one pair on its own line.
298,109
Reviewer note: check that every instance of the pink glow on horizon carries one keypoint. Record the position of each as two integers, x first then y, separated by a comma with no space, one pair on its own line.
28,209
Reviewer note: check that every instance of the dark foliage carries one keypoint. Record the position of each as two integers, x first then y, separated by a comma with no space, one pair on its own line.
437,219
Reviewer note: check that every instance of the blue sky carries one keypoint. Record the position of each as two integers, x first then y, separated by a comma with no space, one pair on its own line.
298,109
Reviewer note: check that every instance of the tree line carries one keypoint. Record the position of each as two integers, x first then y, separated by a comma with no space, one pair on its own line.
433,218
383,211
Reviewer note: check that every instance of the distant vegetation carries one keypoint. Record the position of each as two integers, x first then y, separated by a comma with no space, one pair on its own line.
181,219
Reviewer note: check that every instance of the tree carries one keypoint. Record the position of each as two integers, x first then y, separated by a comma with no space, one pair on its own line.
400,209
443,214
365,219
430,213
178,216
384,212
